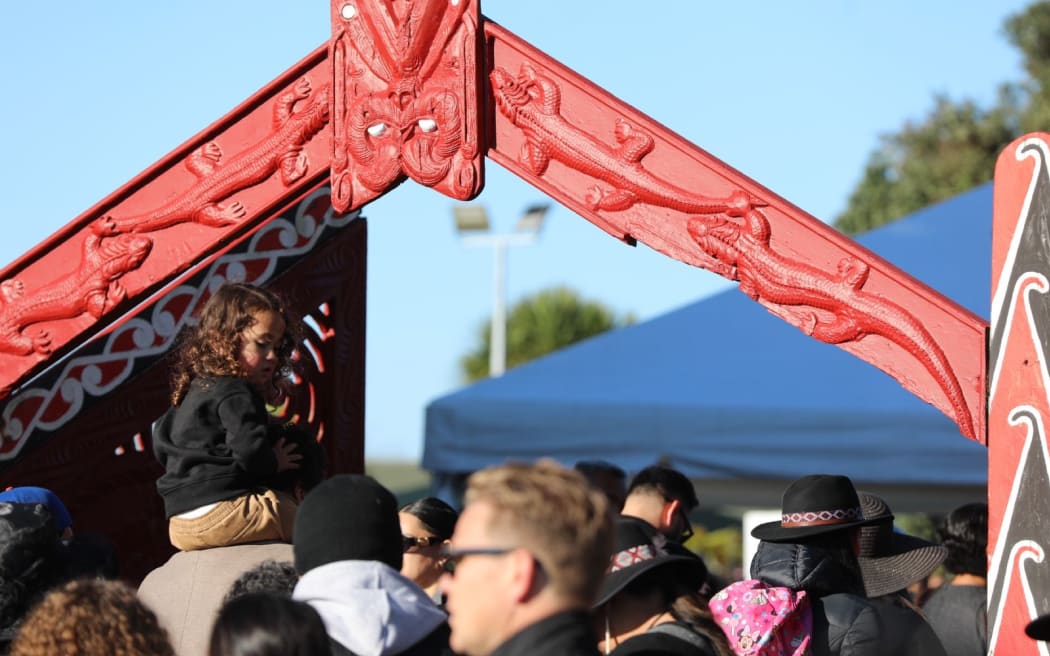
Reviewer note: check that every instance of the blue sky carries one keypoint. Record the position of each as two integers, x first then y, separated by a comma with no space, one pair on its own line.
795,95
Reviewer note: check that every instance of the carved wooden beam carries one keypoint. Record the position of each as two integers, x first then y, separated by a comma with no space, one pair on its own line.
639,181
402,99
95,411
127,248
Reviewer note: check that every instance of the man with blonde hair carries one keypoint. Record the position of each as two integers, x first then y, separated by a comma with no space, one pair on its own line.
526,561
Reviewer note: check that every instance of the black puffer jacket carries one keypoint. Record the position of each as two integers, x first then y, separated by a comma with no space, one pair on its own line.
845,622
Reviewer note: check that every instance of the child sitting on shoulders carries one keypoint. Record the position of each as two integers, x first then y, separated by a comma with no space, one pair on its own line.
217,443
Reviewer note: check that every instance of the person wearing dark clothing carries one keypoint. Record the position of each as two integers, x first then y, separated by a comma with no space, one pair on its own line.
216,445
649,601
348,551
664,497
668,639
188,590
958,610
525,562
959,615
811,549
31,562
845,622
565,634
890,561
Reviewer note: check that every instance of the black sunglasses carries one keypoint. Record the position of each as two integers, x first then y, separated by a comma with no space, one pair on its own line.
407,542
453,556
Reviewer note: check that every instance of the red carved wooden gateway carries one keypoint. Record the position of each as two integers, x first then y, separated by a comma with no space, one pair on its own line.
426,90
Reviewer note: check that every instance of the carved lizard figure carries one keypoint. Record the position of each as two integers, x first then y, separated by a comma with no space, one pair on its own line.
745,255
532,102
281,151
93,287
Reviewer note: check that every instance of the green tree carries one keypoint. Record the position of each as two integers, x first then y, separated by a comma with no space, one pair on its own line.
1029,31
955,146
952,150
539,324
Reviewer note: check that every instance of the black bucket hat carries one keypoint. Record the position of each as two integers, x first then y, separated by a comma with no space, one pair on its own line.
891,561
637,550
814,505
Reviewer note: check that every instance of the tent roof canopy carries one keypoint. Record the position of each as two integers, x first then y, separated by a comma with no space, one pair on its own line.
721,389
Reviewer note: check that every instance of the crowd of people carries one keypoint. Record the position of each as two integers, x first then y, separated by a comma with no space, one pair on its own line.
274,558
540,559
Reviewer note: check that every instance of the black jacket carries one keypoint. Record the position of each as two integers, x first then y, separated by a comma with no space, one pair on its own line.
435,644
563,634
845,622
215,445
669,639
911,634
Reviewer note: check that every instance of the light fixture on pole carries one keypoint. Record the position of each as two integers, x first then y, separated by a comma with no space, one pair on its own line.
472,223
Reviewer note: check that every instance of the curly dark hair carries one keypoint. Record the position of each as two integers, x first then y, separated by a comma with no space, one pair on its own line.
213,347
965,533
91,617
269,576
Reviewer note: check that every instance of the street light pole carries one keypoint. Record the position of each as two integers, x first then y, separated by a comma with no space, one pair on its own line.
498,329
472,220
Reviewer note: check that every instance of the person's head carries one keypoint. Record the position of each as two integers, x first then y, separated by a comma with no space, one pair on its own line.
823,514
269,576
891,561
964,533
347,517
30,557
816,505
426,526
642,581
310,472
664,497
533,540
30,494
260,624
242,330
91,617
608,478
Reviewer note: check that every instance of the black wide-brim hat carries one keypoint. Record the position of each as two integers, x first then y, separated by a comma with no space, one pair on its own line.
814,505
638,549
891,561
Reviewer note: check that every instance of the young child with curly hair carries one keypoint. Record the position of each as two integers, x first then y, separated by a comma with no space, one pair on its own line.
220,450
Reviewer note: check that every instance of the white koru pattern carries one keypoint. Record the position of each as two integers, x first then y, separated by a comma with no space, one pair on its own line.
84,375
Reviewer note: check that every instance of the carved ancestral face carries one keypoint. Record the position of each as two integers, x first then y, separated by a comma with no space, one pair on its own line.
259,343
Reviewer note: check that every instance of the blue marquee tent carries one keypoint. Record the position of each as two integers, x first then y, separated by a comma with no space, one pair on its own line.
734,397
